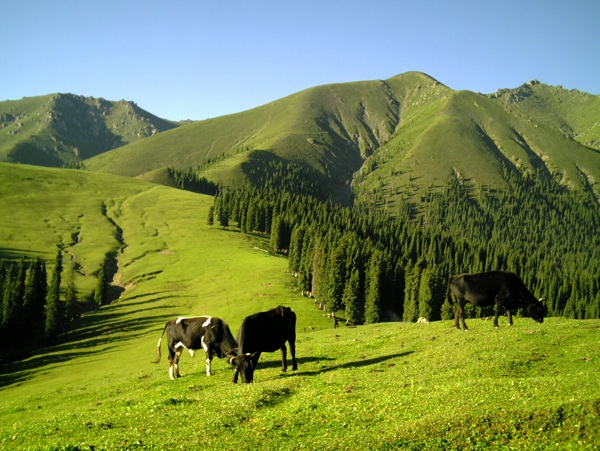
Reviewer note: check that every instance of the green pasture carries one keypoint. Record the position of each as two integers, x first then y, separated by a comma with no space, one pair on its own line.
384,386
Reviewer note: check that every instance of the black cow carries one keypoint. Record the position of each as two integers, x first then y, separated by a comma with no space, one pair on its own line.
209,333
499,288
266,332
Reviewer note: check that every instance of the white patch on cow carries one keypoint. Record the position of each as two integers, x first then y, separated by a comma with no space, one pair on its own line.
208,371
192,352
179,345
207,322
204,345
181,318
171,373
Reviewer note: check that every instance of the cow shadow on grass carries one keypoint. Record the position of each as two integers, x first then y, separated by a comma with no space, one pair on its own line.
326,367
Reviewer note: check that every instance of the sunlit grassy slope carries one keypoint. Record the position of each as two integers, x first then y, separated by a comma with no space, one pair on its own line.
165,251
408,386
54,129
384,386
396,137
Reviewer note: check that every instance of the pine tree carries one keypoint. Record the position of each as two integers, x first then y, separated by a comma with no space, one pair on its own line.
352,299
35,296
373,288
210,220
411,293
53,311
101,286
71,297
337,276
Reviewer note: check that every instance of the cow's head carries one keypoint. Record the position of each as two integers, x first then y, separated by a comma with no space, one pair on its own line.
536,311
244,364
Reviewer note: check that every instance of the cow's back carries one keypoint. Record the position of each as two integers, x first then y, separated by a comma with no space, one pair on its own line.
266,331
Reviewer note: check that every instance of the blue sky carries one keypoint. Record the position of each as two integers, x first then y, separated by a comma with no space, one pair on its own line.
201,58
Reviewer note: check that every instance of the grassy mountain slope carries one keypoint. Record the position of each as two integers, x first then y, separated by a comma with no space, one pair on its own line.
64,128
164,251
388,138
414,386
330,129
481,138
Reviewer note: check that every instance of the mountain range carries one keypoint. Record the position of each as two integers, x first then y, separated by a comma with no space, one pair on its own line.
58,129
376,141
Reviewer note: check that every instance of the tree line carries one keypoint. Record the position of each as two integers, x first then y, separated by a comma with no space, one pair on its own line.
373,266
35,310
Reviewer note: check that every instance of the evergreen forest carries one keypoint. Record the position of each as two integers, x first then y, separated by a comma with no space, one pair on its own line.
371,266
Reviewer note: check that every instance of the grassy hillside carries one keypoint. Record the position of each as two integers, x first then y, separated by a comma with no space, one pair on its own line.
163,246
394,385
330,129
56,129
402,136
412,386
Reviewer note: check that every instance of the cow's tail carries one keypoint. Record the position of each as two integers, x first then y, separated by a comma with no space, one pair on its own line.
159,343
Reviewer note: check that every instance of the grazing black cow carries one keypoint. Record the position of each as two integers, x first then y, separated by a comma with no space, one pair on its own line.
209,333
266,332
499,288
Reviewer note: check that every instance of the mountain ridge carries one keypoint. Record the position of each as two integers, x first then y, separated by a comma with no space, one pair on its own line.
382,141
58,129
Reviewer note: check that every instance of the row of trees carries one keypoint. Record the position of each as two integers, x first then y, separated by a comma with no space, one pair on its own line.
189,180
375,267
30,308
34,310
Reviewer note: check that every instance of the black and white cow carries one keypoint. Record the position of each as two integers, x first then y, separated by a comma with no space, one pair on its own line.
266,332
200,332
499,288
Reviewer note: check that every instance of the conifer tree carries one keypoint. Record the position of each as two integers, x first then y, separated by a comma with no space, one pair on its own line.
337,277
53,311
34,298
352,299
71,297
101,285
373,283
411,293
210,220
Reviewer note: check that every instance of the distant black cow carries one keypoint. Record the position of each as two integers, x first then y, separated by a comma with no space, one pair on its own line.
209,333
266,332
499,288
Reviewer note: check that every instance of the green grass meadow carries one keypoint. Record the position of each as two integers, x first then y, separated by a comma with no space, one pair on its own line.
383,386
386,386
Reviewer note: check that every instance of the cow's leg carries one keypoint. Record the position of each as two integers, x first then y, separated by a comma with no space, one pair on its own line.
293,352
235,376
171,356
283,358
176,364
496,315
456,317
510,321
209,356
460,314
